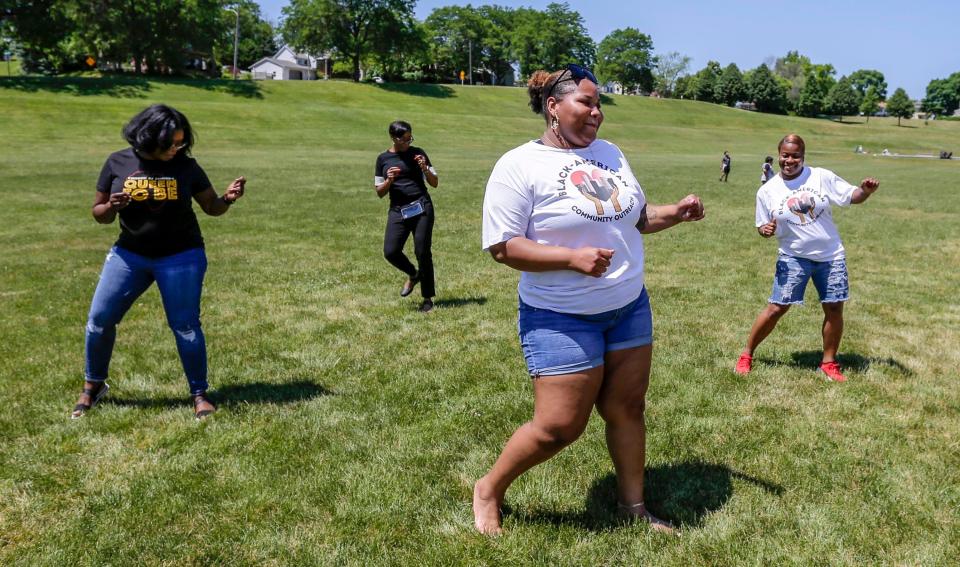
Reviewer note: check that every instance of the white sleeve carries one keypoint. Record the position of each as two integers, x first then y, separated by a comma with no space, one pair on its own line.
763,212
377,180
506,211
838,191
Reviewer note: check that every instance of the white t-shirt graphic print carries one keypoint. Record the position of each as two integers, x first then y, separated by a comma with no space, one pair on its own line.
571,198
802,207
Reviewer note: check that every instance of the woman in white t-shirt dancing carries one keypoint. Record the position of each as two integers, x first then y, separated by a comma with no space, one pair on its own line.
567,211
796,208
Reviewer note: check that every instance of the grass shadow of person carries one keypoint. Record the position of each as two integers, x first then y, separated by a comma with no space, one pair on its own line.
418,89
121,87
235,395
682,493
849,361
459,301
240,88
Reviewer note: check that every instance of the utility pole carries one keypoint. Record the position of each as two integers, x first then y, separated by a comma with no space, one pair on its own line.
470,58
236,37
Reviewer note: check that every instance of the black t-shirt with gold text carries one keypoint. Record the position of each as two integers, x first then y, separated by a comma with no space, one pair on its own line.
409,185
159,221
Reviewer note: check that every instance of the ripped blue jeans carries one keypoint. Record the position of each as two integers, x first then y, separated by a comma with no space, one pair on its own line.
830,278
124,278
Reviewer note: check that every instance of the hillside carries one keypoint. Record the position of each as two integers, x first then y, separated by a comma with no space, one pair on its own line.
351,428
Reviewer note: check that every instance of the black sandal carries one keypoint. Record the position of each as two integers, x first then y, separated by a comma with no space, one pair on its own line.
197,412
95,397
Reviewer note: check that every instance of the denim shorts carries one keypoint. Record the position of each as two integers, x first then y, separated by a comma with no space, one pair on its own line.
790,283
563,343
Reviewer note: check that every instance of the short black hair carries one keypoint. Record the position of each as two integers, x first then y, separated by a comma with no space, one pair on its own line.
398,128
152,129
769,159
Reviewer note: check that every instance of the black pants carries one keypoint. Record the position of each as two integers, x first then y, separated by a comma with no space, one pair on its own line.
398,229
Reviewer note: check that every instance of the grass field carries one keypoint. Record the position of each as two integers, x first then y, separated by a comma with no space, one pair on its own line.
351,428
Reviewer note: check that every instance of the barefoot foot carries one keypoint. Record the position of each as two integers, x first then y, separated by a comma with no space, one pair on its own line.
639,512
486,510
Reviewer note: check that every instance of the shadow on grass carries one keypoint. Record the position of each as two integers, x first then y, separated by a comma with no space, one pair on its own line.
849,361
126,86
460,301
607,100
683,493
241,88
123,87
417,89
235,395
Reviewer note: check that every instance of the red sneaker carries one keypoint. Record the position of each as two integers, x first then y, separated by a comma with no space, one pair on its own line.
832,370
744,364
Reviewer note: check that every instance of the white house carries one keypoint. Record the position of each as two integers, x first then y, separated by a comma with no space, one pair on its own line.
288,65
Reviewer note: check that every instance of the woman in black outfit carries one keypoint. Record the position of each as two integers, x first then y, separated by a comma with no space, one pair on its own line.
403,171
151,187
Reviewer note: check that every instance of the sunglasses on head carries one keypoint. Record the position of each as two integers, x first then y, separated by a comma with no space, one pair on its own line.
577,74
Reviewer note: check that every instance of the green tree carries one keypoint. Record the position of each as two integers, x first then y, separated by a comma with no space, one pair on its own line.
159,36
870,103
686,86
401,52
497,48
794,68
900,105
766,91
842,99
816,85
45,32
863,79
943,95
454,31
729,87
550,39
626,56
668,67
705,82
257,36
351,28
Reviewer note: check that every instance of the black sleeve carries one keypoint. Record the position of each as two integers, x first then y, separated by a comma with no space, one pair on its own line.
200,182
105,182
426,157
378,167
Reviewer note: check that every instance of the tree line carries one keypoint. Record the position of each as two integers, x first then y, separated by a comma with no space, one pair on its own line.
145,36
383,38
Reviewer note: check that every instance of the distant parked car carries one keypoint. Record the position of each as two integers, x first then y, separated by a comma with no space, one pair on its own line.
378,80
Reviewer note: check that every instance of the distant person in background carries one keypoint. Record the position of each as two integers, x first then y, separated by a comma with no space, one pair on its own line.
796,207
151,186
766,170
724,167
403,171
567,212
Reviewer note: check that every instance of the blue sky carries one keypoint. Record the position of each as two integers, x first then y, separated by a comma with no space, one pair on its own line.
910,42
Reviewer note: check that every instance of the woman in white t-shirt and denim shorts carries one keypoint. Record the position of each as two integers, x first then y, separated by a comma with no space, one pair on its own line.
796,207
567,211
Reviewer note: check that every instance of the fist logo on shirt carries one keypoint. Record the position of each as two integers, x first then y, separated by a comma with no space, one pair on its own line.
598,188
804,206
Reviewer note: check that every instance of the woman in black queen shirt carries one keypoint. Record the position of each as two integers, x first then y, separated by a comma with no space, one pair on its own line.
151,186
403,172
